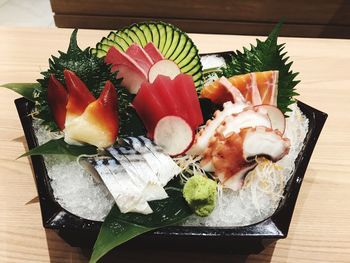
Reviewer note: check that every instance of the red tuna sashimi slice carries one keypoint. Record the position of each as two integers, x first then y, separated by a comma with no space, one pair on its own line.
162,87
153,52
185,90
166,97
133,75
79,96
267,83
140,56
149,107
180,98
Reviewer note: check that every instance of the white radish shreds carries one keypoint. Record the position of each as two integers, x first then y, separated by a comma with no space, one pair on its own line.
77,192
297,126
74,188
189,165
263,187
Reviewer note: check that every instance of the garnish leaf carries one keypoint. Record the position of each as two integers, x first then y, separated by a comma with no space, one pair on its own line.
24,89
119,228
264,56
59,146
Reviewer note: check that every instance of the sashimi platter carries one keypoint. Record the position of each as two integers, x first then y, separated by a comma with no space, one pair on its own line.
142,132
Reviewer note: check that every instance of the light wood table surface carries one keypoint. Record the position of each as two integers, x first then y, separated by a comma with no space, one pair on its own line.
320,229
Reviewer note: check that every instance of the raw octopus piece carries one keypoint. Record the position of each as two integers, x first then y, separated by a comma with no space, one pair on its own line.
249,117
230,158
202,138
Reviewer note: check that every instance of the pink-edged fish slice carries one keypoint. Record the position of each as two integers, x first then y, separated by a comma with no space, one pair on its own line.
236,94
136,52
153,52
133,75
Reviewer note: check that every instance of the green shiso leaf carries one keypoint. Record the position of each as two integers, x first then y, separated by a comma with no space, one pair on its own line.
24,89
266,55
94,72
59,146
119,228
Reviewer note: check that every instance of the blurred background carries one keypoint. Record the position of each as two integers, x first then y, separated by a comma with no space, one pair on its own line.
312,18
26,13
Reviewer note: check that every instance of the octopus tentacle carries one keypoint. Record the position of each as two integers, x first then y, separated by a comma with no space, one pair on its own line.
230,158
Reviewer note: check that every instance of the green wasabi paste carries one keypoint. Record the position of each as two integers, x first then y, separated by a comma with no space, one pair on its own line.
200,193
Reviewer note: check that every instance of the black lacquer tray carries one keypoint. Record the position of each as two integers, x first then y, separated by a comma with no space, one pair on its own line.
243,240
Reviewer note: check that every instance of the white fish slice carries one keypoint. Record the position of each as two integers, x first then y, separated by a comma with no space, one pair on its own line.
154,189
127,196
146,180
151,160
166,168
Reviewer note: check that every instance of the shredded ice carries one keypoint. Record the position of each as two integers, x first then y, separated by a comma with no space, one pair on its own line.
212,61
73,188
77,192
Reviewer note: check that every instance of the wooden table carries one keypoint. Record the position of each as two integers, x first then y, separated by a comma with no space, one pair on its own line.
320,229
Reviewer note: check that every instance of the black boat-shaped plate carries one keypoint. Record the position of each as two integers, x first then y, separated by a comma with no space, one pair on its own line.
247,239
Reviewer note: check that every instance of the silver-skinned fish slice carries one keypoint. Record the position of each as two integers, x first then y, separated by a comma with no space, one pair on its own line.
128,197
139,172
165,166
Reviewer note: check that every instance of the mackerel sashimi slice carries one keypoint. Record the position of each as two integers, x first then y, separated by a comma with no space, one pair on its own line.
152,190
134,173
162,165
127,194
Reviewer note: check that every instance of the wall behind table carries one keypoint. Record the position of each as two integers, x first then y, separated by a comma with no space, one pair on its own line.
312,18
